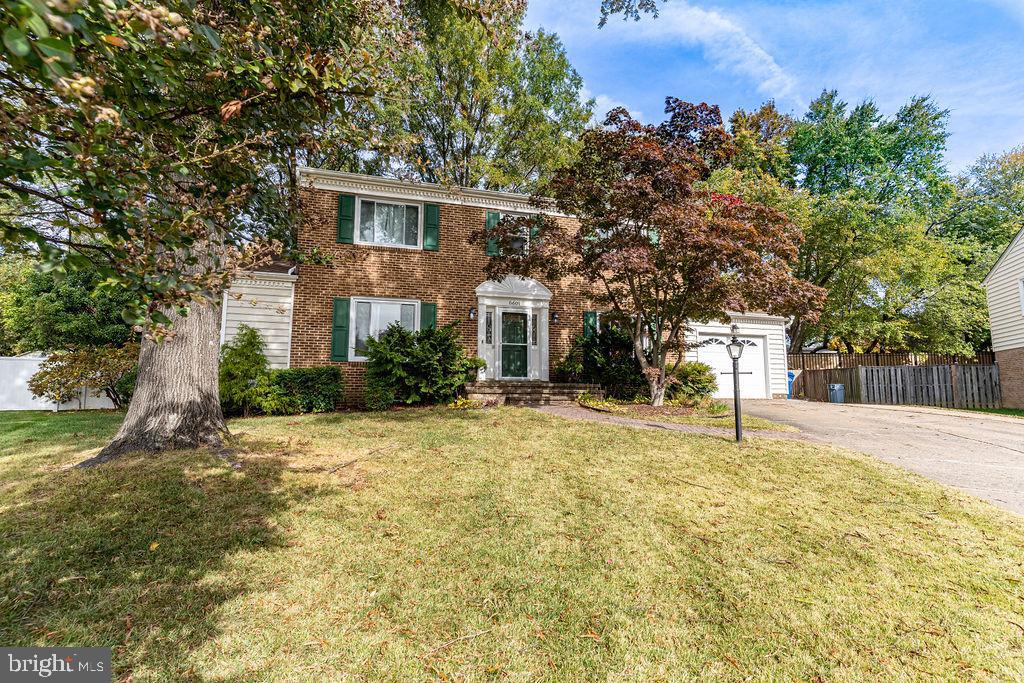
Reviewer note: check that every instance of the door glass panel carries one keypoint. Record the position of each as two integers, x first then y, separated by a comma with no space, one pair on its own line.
513,344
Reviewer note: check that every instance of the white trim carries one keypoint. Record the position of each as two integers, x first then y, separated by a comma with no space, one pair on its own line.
514,295
379,200
291,319
1020,294
355,183
224,317
353,300
1002,256
271,279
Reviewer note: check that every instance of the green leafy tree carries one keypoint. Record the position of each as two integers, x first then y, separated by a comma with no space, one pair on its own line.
493,106
861,185
761,138
141,139
65,374
655,244
48,311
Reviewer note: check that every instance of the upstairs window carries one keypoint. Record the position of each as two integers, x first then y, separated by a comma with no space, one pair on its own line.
395,225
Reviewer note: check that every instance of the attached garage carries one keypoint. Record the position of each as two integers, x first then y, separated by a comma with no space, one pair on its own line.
763,364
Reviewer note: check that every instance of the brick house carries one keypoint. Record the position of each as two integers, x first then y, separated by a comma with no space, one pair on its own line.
1004,293
401,252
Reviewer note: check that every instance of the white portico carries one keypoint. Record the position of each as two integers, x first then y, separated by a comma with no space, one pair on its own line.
512,329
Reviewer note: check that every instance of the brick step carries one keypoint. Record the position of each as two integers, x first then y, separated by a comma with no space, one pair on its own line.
527,392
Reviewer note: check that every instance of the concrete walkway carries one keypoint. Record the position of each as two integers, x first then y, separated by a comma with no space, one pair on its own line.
575,412
980,453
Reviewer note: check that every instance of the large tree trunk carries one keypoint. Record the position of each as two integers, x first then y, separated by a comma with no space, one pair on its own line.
176,403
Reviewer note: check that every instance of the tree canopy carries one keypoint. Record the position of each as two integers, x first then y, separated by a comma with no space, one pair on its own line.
54,311
137,136
488,106
657,247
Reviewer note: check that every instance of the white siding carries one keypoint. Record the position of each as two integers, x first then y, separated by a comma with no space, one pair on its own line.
772,329
262,301
1003,291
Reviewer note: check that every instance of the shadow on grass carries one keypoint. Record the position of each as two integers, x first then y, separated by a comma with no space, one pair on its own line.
129,555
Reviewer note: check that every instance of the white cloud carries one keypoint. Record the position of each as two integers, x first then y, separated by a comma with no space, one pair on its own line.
604,104
724,42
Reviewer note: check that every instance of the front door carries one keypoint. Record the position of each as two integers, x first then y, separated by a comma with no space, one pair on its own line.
514,345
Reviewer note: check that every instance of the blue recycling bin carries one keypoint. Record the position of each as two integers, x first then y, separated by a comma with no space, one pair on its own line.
836,393
789,388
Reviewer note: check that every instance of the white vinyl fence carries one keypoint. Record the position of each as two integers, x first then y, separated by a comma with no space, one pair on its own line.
15,372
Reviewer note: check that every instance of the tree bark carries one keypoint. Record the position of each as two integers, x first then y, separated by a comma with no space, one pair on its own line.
176,404
658,392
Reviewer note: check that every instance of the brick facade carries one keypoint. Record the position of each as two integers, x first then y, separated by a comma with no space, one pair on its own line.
447,277
1011,376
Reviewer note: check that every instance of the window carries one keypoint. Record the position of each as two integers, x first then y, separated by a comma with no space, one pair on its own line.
370,317
489,327
1020,290
396,225
533,329
520,243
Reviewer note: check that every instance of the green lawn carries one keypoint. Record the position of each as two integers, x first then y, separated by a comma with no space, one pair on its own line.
1014,412
500,544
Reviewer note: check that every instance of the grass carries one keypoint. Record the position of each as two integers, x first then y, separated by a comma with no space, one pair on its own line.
500,544
713,413
725,421
1013,412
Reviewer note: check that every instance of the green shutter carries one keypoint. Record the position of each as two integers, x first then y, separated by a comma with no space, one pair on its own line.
346,218
428,315
492,220
431,226
589,323
339,330
535,231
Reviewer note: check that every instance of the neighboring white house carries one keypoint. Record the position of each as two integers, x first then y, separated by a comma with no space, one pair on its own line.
1004,290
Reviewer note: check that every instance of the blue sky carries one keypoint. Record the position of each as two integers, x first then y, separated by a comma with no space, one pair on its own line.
967,54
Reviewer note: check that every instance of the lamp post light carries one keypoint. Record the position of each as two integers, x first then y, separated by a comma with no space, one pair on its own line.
735,349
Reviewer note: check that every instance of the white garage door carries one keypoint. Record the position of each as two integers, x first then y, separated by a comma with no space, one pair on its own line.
712,351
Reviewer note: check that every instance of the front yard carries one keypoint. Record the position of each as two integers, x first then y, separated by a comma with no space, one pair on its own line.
492,544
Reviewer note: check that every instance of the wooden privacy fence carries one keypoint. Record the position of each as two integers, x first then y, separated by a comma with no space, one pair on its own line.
962,385
828,361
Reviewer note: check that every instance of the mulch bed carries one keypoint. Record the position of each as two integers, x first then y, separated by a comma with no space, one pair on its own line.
642,411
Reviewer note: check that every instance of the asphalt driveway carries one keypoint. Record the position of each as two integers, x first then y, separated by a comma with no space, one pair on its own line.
979,453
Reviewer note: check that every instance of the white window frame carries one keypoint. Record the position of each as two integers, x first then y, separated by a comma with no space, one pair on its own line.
353,356
386,200
1020,294
514,214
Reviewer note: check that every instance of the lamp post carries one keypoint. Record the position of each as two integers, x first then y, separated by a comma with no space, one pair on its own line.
735,349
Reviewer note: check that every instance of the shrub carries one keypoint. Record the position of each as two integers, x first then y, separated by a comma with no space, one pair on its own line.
313,390
605,358
692,381
245,378
99,368
429,366
379,393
